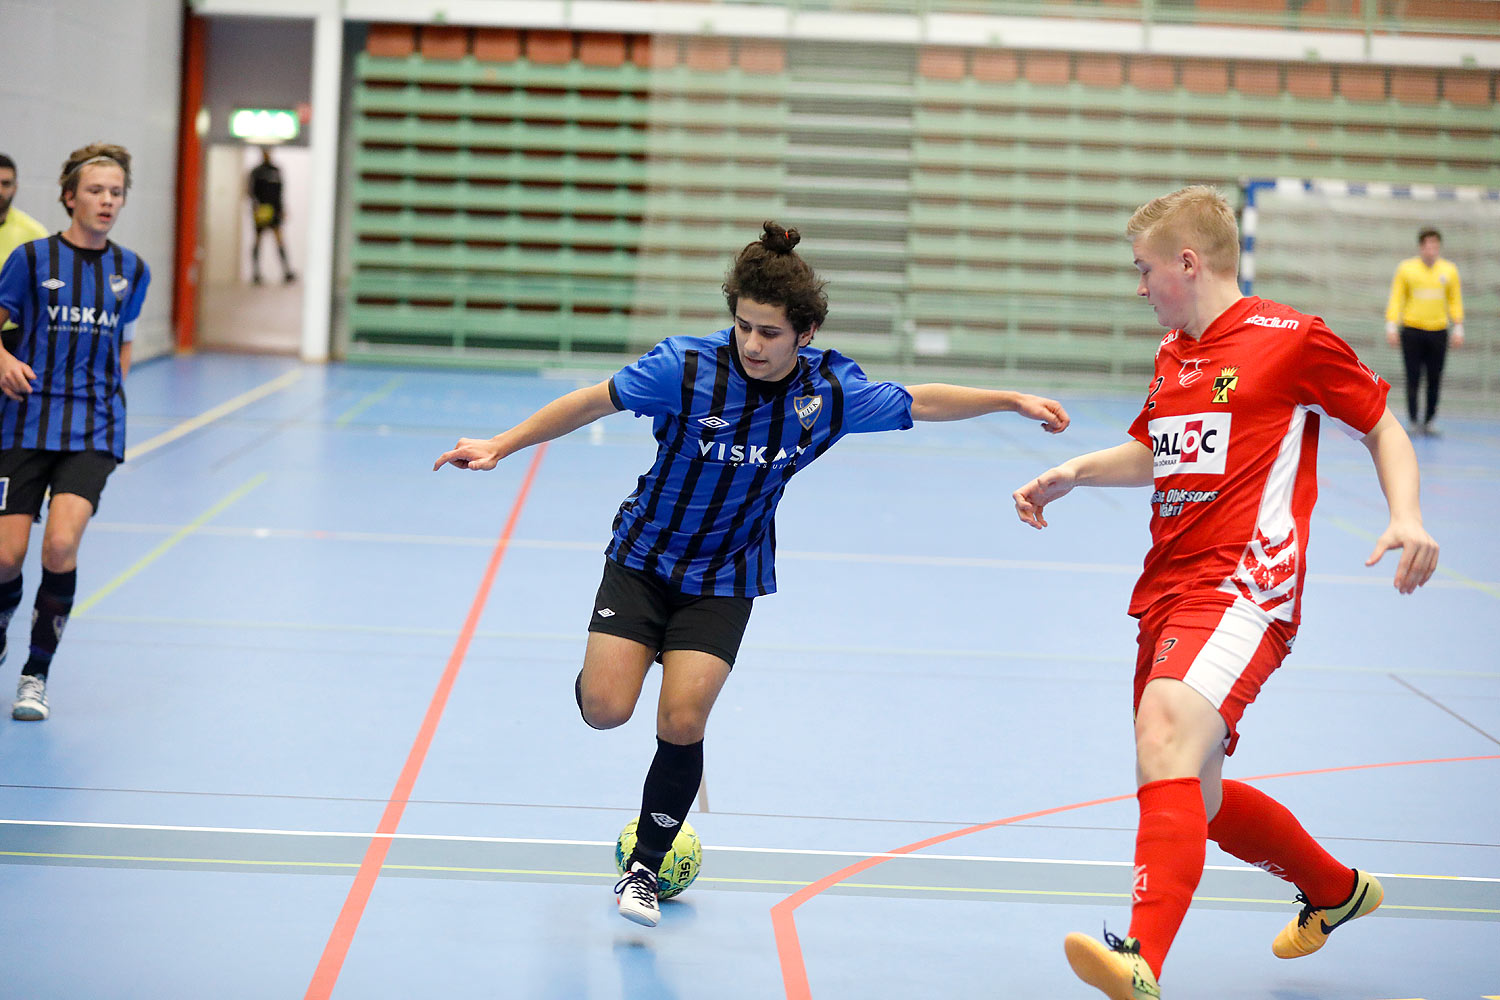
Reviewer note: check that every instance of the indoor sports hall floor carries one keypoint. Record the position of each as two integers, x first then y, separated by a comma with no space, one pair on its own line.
301,659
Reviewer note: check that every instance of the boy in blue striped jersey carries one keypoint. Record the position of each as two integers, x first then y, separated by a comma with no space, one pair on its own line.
75,297
735,414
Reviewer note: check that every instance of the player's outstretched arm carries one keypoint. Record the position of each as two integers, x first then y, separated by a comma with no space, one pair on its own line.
939,401
562,415
1128,464
1400,479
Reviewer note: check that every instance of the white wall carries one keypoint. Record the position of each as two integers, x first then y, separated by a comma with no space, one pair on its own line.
99,71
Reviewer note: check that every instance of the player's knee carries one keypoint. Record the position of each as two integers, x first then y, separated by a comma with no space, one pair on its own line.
598,710
59,554
683,724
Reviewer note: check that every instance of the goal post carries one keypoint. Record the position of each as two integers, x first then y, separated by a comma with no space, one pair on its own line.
1330,247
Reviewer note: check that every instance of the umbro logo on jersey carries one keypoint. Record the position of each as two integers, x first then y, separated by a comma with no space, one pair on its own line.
1273,322
53,284
606,613
714,422
663,820
808,408
118,283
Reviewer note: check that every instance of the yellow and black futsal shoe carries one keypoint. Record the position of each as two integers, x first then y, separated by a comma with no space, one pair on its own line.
1307,933
1115,968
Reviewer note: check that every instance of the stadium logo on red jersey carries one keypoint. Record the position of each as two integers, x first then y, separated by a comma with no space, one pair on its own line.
1195,443
808,408
1225,382
1274,322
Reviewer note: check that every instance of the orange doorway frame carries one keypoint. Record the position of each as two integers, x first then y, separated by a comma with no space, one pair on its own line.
189,182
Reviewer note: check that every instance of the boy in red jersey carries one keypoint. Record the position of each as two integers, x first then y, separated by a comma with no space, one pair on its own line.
1228,435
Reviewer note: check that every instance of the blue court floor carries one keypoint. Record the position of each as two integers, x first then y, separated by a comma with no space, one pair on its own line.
313,729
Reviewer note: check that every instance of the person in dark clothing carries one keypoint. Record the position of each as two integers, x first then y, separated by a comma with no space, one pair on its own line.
268,213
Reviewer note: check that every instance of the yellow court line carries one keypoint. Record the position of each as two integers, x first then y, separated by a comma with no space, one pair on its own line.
368,401
209,416
150,557
890,887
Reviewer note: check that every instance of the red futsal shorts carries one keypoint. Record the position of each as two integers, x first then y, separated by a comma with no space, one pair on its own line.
1220,645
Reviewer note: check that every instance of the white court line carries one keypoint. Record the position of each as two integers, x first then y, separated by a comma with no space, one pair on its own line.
553,842
965,562
209,416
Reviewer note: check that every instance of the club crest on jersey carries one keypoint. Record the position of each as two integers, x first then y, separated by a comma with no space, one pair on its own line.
1225,382
808,408
118,283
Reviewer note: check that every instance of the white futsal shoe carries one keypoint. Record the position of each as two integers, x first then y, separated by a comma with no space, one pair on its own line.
31,699
637,892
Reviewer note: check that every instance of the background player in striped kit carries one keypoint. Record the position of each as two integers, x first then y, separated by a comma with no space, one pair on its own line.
1234,460
736,414
76,297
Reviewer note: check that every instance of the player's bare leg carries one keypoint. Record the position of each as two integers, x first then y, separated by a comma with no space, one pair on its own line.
691,682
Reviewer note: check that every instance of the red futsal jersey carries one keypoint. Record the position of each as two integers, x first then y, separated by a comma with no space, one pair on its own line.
1232,424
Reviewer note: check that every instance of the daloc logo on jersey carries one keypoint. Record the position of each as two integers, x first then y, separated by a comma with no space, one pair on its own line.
1191,443
808,408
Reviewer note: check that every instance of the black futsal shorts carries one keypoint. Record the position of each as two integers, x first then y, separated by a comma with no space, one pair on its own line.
647,609
26,474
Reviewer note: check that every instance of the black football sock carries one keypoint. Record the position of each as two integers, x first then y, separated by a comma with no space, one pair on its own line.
671,785
10,599
54,601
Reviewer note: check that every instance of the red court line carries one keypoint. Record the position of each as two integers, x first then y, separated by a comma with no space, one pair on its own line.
334,952
789,948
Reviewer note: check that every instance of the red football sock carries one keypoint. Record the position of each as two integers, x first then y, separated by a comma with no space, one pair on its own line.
1256,828
1169,850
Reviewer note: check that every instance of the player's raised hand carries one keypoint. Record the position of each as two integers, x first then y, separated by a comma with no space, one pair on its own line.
1037,494
1419,553
480,454
16,377
1050,412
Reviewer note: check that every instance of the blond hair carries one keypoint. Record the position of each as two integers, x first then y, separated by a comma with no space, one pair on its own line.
103,153
1198,217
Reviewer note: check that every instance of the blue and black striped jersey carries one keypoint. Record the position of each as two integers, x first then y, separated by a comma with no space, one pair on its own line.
75,309
703,517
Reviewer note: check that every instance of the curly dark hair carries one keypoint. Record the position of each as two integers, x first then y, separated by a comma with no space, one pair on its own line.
93,153
770,271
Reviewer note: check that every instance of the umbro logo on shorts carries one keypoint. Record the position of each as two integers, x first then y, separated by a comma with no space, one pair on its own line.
606,613
53,284
662,819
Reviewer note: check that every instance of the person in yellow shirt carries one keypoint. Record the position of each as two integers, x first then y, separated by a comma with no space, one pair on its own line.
1425,314
16,227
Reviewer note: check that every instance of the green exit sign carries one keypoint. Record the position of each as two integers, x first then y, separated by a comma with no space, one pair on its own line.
264,124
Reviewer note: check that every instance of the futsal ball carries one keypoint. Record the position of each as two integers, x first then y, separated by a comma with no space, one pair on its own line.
678,868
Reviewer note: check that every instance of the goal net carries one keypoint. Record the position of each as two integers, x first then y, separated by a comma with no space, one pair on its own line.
1329,248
